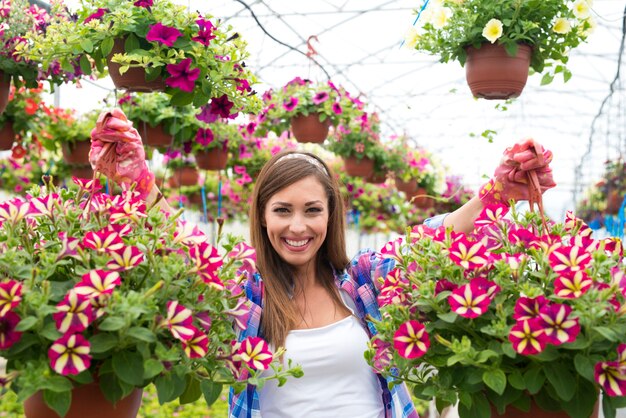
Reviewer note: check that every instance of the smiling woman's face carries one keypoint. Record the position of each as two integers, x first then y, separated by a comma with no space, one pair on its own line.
296,219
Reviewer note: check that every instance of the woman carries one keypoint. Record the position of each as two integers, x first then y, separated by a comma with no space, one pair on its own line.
302,297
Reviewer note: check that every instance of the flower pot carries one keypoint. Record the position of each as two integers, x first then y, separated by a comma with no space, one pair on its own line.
213,159
5,86
536,412
87,401
408,187
422,202
184,176
377,178
614,202
82,171
309,128
492,73
76,152
135,78
154,136
359,168
7,136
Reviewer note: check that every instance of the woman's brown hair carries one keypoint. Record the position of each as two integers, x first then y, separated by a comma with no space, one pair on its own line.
280,314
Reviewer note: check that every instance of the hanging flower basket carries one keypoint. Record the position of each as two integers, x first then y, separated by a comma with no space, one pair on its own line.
408,187
83,171
377,178
423,201
135,78
212,159
355,167
5,86
614,202
309,128
7,136
493,74
76,152
154,136
87,401
184,176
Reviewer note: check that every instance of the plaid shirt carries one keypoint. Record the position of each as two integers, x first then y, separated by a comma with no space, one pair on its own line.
358,284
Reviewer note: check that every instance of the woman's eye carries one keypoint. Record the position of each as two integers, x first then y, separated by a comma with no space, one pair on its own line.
281,210
315,210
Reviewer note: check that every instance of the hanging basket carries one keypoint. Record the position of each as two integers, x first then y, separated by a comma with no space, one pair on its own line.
493,74
422,201
76,152
614,202
5,87
87,401
7,136
309,128
377,178
408,187
154,136
135,78
213,159
82,171
184,176
359,168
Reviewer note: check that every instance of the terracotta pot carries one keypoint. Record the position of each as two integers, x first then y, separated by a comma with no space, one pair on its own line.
214,159
408,187
184,176
377,178
614,202
309,128
154,136
195,199
135,78
492,73
7,136
422,202
5,86
76,152
536,412
87,401
82,171
359,168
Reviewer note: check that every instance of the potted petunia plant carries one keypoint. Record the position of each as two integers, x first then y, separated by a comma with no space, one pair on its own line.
517,34
423,175
101,296
23,116
213,142
66,130
521,316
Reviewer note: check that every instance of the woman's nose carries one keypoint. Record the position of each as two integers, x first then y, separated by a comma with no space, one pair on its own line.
298,224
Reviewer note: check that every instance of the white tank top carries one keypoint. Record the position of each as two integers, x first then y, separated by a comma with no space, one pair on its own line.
337,380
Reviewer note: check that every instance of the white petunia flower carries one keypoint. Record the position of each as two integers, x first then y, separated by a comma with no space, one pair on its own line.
493,30
562,26
582,9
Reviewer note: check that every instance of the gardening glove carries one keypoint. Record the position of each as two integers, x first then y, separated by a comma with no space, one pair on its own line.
118,153
511,178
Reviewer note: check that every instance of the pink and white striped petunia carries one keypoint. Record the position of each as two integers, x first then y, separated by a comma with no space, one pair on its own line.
612,377
255,352
557,324
187,233
10,295
207,261
491,214
393,291
8,334
197,346
125,258
411,340
618,277
528,337
97,283
621,355
469,254
14,210
469,301
487,285
133,210
570,258
91,186
240,313
179,321
528,308
70,354
383,354
103,241
572,286
74,313
420,231
246,254
392,249
205,320
69,246
613,245
572,224
44,206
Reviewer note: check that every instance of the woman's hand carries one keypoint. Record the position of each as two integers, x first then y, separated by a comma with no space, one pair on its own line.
511,178
118,153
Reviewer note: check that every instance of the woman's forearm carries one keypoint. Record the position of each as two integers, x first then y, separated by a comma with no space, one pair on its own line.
462,219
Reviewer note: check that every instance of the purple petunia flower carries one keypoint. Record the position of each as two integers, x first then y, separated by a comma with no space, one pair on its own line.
204,136
143,3
320,97
221,106
205,34
97,15
337,108
166,35
290,104
181,76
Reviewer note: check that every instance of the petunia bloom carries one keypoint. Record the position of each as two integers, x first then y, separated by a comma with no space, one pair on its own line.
320,97
469,301
179,321
10,296
69,355
290,104
411,340
8,334
125,258
197,346
528,308
557,324
166,35
182,76
528,337
143,3
493,30
97,15
255,352
97,283
74,313
612,377
572,286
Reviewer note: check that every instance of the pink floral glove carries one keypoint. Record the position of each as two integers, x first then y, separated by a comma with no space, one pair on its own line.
510,180
118,153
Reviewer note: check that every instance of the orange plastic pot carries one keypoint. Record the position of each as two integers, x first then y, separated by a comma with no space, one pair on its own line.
184,176
363,167
309,128
135,78
408,187
213,159
154,136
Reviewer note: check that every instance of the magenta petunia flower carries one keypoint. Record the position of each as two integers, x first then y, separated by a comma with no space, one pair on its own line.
205,320
569,259
572,286
8,334
97,283
468,254
618,277
204,136
205,34
383,354
221,106
290,104
143,3
10,295
528,337
207,261
392,249
411,340
69,355
491,214
240,314
244,253
393,291
103,241
125,258
336,108
197,346
488,286
469,301
557,325
179,321
528,308
443,285
187,233
320,97
97,15
14,210
74,313
255,352
44,206
166,35
182,76
68,246
612,377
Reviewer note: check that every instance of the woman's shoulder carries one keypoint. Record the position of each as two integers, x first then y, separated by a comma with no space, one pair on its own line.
368,265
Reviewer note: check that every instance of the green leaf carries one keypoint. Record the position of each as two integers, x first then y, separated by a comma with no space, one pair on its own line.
131,43
448,317
85,64
534,379
58,401
547,79
582,405
26,323
141,334
50,332
192,392
151,368
106,46
83,377
508,350
516,380
495,379
103,342
86,45
211,391
169,387
561,379
128,366
112,323
584,366
25,342
57,384
181,98
607,333
480,407
567,74
110,387
200,99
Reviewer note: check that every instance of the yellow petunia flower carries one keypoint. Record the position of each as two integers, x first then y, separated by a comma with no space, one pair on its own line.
411,38
562,26
441,16
581,9
493,30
